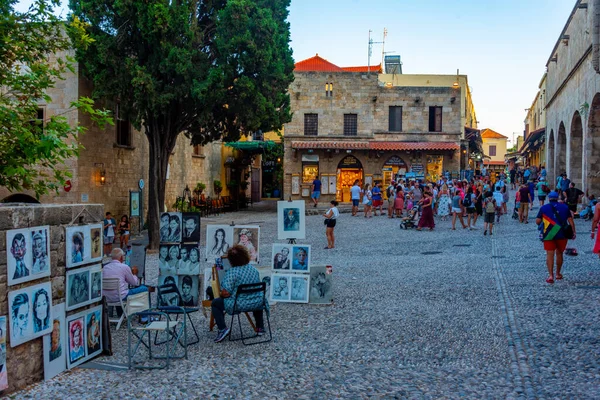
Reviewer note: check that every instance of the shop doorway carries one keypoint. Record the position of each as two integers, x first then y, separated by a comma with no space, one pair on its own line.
348,170
394,168
435,168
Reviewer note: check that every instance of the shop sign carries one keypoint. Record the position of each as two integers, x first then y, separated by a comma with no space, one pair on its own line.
268,163
396,161
350,162
310,158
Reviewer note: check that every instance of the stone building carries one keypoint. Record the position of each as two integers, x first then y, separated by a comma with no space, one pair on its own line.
494,147
113,160
533,149
572,99
352,124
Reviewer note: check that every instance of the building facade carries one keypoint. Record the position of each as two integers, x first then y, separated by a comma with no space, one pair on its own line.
350,124
494,147
572,100
533,149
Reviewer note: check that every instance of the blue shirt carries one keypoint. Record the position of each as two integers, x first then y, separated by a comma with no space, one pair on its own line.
376,193
317,184
235,277
551,224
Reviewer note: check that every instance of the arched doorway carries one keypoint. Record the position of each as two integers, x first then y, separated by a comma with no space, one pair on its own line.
349,169
394,167
560,163
593,148
20,198
550,168
576,150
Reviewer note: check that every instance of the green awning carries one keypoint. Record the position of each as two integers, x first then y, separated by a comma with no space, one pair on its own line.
253,146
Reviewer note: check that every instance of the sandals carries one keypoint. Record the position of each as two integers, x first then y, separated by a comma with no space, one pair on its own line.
558,276
550,279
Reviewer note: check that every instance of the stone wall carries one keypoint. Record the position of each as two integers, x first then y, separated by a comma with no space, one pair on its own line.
25,363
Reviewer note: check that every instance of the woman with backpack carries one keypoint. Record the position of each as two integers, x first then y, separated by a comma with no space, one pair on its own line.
489,205
469,204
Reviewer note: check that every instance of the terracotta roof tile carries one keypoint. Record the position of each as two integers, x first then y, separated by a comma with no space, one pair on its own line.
316,64
372,68
490,134
314,144
414,146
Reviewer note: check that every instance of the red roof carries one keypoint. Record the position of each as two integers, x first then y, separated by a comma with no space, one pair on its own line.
372,68
316,64
330,145
414,146
490,134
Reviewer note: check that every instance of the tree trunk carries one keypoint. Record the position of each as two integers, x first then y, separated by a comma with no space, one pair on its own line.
157,174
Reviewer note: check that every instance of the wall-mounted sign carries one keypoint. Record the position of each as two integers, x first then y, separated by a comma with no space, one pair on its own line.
350,162
68,186
395,160
85,197
141,184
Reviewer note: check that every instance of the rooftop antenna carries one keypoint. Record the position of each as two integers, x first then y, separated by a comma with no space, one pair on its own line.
371,43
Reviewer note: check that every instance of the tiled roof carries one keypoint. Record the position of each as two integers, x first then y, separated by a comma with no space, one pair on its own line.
490,134
372,68
316,64
330,145
414,146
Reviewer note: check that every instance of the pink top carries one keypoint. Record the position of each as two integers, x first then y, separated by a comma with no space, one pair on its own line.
116,269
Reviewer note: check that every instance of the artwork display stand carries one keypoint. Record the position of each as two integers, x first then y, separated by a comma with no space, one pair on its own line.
291,240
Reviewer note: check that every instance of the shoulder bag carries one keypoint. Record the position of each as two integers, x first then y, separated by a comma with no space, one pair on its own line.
567,229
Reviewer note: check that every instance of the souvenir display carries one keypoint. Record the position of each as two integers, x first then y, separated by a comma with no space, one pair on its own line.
30,313
27,254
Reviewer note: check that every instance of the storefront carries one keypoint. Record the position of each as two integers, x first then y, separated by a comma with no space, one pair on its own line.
349,170
394,168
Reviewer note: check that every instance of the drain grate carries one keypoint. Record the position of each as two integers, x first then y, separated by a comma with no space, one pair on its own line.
429,253
462,245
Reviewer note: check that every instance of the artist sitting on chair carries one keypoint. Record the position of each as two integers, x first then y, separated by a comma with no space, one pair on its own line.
240,273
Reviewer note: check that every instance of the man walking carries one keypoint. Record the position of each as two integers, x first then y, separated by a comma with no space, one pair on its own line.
554,216
525,199
377,199
355,196
391,196
316,190
573,197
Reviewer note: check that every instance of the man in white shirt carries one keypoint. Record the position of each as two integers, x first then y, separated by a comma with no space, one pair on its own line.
126,276
355,196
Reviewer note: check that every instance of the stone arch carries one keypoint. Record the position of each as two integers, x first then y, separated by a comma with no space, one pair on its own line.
560,157
20,198
593,148
576,150
550,168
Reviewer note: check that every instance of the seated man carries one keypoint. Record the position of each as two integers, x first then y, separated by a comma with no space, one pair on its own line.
240,273
127,276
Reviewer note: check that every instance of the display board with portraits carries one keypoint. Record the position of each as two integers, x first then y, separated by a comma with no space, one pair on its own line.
55,344
179,259
219,238
84,286
170,228
3,371
84,244
27,254
30,313
289,288
291,258
291,220
84,336
188,287
321,285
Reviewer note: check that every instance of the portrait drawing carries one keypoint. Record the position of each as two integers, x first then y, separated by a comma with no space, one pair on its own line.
280,287
191,227
189,262
76,339
55,344
321,285
18,256
170,228
291,220
248,236
93,332
281,256
188,288
40,257
300,258
218,241
300,288
3,372
96,239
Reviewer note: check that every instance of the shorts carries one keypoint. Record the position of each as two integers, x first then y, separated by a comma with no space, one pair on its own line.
488,218
542,198
355,202
377,203
470,210
315,195
523,207
456,210
572,207
557,244
331,223
109,239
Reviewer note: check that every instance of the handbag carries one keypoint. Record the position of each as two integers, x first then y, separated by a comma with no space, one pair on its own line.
325,221
566,229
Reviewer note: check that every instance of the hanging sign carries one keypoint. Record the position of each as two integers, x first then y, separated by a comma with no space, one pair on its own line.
350,162
396,161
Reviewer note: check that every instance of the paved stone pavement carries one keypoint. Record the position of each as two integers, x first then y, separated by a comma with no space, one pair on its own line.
442,314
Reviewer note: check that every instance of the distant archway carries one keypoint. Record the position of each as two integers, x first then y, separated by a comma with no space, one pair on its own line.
560,163
576,150
550,168
20,198
349,170
593,148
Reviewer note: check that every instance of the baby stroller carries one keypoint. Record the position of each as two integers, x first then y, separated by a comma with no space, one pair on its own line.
410,221
515,214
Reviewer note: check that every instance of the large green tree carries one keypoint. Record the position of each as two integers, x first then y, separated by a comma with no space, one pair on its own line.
33,57
209,69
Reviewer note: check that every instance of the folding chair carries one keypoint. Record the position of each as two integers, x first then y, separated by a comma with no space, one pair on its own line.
261,305
164,291
131,303
174,329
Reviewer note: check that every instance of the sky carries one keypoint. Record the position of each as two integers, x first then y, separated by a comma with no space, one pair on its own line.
501,45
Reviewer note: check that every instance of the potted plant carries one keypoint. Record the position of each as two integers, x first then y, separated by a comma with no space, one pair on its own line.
200,187
218,186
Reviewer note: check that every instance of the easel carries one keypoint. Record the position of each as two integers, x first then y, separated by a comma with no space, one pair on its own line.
216,286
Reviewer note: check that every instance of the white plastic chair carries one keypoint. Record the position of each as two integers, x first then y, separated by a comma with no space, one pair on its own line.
134,303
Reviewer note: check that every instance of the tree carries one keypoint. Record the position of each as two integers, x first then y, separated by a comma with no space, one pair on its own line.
33,149
209,69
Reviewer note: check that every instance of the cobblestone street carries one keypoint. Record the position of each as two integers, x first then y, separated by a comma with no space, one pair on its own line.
442,314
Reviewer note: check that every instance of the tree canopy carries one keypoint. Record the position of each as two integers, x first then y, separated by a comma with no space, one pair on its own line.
33,148
209,69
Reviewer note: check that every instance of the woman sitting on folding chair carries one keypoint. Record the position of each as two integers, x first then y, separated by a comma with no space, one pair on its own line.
240,273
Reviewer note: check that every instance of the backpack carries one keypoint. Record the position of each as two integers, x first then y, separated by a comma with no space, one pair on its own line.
467,201
389,191
490,207
545,188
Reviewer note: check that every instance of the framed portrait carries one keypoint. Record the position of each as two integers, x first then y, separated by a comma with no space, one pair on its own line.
30,313
84,336
27,254
82,248
80,285
206,278
189,260
291,220
300,287
3,371
281,287
168,258
282,257
188,288
248,236
264,274
219,238
170,227
191,227
169,299
55,344
301,258
295,184
321,285
134,204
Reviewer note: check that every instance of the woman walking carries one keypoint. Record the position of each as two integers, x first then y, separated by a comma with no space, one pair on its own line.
399,202
457,211
367,200
478,204
426,220
444,203
330,221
